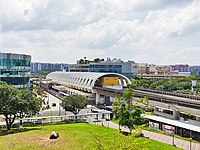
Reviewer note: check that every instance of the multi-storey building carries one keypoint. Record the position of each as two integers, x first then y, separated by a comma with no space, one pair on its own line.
128,68
195,69
154,69
79,67
163,70
181,68
36,67
15,69
144,68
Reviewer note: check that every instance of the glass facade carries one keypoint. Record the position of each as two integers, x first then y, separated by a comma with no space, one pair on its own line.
15,69
36,67
13,72
106,68
14,62
15,80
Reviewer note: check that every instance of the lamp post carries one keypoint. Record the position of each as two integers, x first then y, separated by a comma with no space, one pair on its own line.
173,139
162,93
59,106
190,143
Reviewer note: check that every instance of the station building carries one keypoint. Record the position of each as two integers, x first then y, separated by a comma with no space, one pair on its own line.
15,69
37,66
128,69
92,84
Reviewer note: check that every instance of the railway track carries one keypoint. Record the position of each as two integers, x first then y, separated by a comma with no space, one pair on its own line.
193,103
182,101
196,97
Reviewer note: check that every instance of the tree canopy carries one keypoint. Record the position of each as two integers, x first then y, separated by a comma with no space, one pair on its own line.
74,103
28,103
178,85
15,103
129,113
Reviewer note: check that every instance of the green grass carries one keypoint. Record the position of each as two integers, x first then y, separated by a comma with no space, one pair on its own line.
115,121
79,136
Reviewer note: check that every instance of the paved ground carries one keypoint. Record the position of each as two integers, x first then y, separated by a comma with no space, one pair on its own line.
54,110
159,137
169,140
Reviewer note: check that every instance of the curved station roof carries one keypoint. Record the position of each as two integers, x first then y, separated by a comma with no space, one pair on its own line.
84,81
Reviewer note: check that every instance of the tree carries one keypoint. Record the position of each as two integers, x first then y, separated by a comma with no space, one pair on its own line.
28,104
74,103
97,60
129,94
15,103
125,117
81,61
136,114
116,105
130,118
40,91
8,103
129,114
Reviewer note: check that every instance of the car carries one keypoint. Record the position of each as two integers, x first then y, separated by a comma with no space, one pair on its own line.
53,104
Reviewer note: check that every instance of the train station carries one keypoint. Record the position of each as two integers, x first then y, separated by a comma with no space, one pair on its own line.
97,86
174,127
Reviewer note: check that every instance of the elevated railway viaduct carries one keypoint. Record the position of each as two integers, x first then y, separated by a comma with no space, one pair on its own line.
87,81
191,101
113,84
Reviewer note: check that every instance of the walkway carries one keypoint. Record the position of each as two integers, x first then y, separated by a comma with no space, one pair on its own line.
159,137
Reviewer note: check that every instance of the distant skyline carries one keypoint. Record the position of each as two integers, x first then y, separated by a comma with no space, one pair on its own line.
145,31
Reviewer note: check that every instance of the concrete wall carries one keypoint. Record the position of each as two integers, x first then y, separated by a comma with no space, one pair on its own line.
163,114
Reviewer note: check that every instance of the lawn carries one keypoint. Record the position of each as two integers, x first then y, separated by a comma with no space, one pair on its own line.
74,137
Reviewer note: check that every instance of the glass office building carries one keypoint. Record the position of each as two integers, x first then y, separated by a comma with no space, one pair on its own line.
129,69
15,69
106,68
37,66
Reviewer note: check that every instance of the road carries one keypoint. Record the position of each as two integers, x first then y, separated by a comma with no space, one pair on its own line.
55,109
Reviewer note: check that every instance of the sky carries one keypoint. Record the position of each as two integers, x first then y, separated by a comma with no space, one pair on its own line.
144,31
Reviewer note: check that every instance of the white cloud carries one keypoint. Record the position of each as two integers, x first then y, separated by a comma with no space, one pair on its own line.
154,31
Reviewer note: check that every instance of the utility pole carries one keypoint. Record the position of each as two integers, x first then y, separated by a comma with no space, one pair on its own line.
59,107
162,93
173,139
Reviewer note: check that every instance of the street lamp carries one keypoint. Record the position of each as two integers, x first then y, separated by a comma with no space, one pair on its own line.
59,107
173,139
161,92
190,143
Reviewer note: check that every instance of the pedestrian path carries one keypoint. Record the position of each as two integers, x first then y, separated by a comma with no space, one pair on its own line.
169,140
159,137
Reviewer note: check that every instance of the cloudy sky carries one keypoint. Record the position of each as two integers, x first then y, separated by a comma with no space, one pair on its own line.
152,31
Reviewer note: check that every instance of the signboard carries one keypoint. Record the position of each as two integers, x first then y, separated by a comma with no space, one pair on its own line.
168,128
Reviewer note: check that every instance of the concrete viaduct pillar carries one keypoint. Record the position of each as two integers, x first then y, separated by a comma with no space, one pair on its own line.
176,114
97,97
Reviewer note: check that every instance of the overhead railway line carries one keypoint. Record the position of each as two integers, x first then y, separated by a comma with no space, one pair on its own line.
182,101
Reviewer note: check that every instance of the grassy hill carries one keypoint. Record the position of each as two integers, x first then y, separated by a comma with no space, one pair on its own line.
75,137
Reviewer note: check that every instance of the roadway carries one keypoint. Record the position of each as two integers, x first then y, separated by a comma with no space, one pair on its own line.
55,108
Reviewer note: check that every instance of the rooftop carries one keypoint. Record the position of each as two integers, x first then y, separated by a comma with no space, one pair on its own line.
173,122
